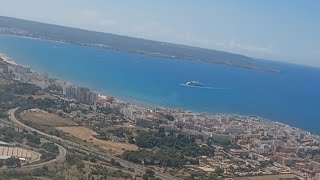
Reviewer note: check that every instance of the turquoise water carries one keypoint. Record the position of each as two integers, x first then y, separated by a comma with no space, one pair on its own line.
292,96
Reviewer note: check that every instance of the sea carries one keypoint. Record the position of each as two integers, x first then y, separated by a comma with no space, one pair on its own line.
291,96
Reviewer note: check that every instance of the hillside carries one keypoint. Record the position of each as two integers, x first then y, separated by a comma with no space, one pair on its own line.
123,43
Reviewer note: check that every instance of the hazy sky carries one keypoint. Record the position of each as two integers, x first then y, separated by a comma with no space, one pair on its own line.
286,30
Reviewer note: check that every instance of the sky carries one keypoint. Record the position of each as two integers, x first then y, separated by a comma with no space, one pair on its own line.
286,30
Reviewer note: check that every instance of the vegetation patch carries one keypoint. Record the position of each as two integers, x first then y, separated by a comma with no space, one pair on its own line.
86,134
43,118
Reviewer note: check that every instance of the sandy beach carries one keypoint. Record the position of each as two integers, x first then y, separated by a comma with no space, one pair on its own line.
6,59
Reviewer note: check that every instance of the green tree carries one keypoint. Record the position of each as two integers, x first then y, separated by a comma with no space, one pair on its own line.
13,162
219,171
149,173
50,147
80,165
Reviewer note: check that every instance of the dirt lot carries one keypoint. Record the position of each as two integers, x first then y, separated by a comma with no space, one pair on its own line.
269,177
44,97
43,118
84,133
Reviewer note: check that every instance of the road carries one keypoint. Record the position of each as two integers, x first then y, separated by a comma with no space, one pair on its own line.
59,158
104,155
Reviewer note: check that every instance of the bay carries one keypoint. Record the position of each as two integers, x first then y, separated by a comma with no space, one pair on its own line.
292,96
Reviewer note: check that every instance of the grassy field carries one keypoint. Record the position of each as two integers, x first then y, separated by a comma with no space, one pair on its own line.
43,118
86,134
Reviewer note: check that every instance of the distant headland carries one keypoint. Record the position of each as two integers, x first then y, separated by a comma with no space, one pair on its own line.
124,43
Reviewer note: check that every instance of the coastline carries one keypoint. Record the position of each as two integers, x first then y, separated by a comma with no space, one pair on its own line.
126,100
7,60
251,65
149,105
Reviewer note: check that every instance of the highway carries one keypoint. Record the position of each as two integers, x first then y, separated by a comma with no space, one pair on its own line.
59,158
103,155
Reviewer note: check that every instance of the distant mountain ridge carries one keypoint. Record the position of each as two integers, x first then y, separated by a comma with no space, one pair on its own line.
123,43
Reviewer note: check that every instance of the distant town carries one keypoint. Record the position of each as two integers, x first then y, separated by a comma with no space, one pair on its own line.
145,142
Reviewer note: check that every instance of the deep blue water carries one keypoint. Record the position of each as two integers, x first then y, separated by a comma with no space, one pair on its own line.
292,96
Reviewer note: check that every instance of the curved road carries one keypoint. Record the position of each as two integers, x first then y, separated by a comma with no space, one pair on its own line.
62,150
104,155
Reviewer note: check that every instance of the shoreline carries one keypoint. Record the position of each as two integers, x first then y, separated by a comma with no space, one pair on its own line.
127,100
251,64
7,60
149,105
